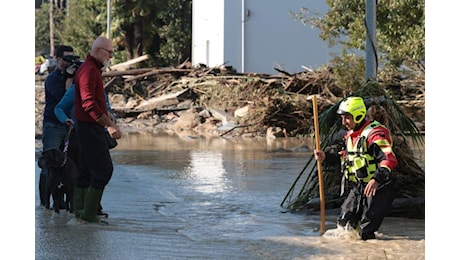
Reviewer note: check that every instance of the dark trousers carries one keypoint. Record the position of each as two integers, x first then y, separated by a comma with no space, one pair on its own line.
357,209
95,166
74,147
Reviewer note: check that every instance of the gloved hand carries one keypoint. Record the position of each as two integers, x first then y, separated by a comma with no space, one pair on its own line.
69,122
382,175
70,71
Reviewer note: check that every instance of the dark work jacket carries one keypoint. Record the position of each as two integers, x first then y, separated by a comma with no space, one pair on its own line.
54,91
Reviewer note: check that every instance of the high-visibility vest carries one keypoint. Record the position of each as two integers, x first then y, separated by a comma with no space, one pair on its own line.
358,164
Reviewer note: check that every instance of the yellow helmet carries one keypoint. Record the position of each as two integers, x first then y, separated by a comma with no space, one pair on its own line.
354,106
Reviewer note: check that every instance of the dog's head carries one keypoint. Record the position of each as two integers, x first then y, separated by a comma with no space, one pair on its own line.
52,158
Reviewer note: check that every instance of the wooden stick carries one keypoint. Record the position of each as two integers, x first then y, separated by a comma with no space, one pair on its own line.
322,227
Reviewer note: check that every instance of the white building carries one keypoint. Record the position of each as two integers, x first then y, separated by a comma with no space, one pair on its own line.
257,35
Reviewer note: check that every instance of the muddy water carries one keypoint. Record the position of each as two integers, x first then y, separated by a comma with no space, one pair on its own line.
187,198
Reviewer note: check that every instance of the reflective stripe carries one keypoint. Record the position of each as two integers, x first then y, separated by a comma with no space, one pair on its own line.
382,142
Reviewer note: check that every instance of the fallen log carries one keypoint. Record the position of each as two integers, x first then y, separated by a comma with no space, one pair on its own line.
156,102
128,64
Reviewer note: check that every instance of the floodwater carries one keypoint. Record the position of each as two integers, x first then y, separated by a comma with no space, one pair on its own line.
187,198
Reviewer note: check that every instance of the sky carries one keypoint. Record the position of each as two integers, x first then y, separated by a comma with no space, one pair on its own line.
18,112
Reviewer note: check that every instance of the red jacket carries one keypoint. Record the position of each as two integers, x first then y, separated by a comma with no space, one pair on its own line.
89,91
379,144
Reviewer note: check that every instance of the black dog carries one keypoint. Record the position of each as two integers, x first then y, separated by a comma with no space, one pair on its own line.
60,180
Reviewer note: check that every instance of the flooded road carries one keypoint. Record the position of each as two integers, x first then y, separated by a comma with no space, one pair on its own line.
186,198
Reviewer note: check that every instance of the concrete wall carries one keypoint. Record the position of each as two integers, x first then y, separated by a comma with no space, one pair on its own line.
258,38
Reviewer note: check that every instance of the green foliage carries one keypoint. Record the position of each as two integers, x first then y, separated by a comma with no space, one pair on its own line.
400,30
86,20
160,28
42,28
133,27
349,70
42,36
177,33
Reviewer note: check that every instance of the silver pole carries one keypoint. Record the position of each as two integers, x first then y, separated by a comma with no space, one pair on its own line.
243,20
371,40
108,19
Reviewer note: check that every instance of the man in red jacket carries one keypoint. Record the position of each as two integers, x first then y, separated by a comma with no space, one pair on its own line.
367,163
93,119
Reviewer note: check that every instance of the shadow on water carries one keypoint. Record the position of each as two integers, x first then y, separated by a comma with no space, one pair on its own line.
185,198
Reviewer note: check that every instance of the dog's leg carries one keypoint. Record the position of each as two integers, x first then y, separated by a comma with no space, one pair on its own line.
56,197
47,189
48,197
69,200
42,187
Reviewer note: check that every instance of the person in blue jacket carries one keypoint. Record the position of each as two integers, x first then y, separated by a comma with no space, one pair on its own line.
64,113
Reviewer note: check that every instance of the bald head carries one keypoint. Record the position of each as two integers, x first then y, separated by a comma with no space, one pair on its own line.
102,49
101,42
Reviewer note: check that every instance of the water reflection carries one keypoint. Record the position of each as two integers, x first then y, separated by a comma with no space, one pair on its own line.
207,171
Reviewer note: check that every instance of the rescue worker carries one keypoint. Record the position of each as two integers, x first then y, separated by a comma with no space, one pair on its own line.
367,161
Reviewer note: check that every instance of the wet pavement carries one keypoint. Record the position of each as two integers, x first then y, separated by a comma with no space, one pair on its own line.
173,198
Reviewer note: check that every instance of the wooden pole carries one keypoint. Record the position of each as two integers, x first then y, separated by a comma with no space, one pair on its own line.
322,227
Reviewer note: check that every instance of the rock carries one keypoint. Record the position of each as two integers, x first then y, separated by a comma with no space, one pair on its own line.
242,111
187,120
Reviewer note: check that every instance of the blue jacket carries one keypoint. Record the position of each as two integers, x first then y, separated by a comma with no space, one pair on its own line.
65,108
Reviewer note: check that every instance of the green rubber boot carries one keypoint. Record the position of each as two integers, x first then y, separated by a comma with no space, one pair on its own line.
79,195
92,201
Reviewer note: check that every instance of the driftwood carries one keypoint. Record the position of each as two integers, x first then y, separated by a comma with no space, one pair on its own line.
129,64
276,100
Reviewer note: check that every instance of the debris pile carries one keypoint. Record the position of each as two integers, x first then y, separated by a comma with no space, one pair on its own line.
247,103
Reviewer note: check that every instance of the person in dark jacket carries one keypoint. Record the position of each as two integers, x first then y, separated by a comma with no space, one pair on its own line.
54,132
367,161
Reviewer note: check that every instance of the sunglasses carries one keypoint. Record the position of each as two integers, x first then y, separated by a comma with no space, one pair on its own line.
109,51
